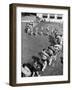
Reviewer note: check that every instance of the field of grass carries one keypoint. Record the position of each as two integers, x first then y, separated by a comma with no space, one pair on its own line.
31,45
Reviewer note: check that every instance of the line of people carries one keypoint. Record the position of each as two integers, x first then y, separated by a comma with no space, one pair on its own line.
29,30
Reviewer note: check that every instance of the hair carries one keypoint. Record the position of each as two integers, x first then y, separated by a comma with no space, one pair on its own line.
35,58
44,49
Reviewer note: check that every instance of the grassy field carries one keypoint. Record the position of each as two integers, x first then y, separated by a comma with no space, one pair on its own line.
31,45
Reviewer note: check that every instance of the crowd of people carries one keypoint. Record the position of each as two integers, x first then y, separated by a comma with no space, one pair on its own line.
45,58
29,30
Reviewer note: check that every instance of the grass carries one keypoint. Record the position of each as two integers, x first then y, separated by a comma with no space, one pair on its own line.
32,45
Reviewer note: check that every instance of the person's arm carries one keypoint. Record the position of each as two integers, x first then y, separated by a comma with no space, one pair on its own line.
33,74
